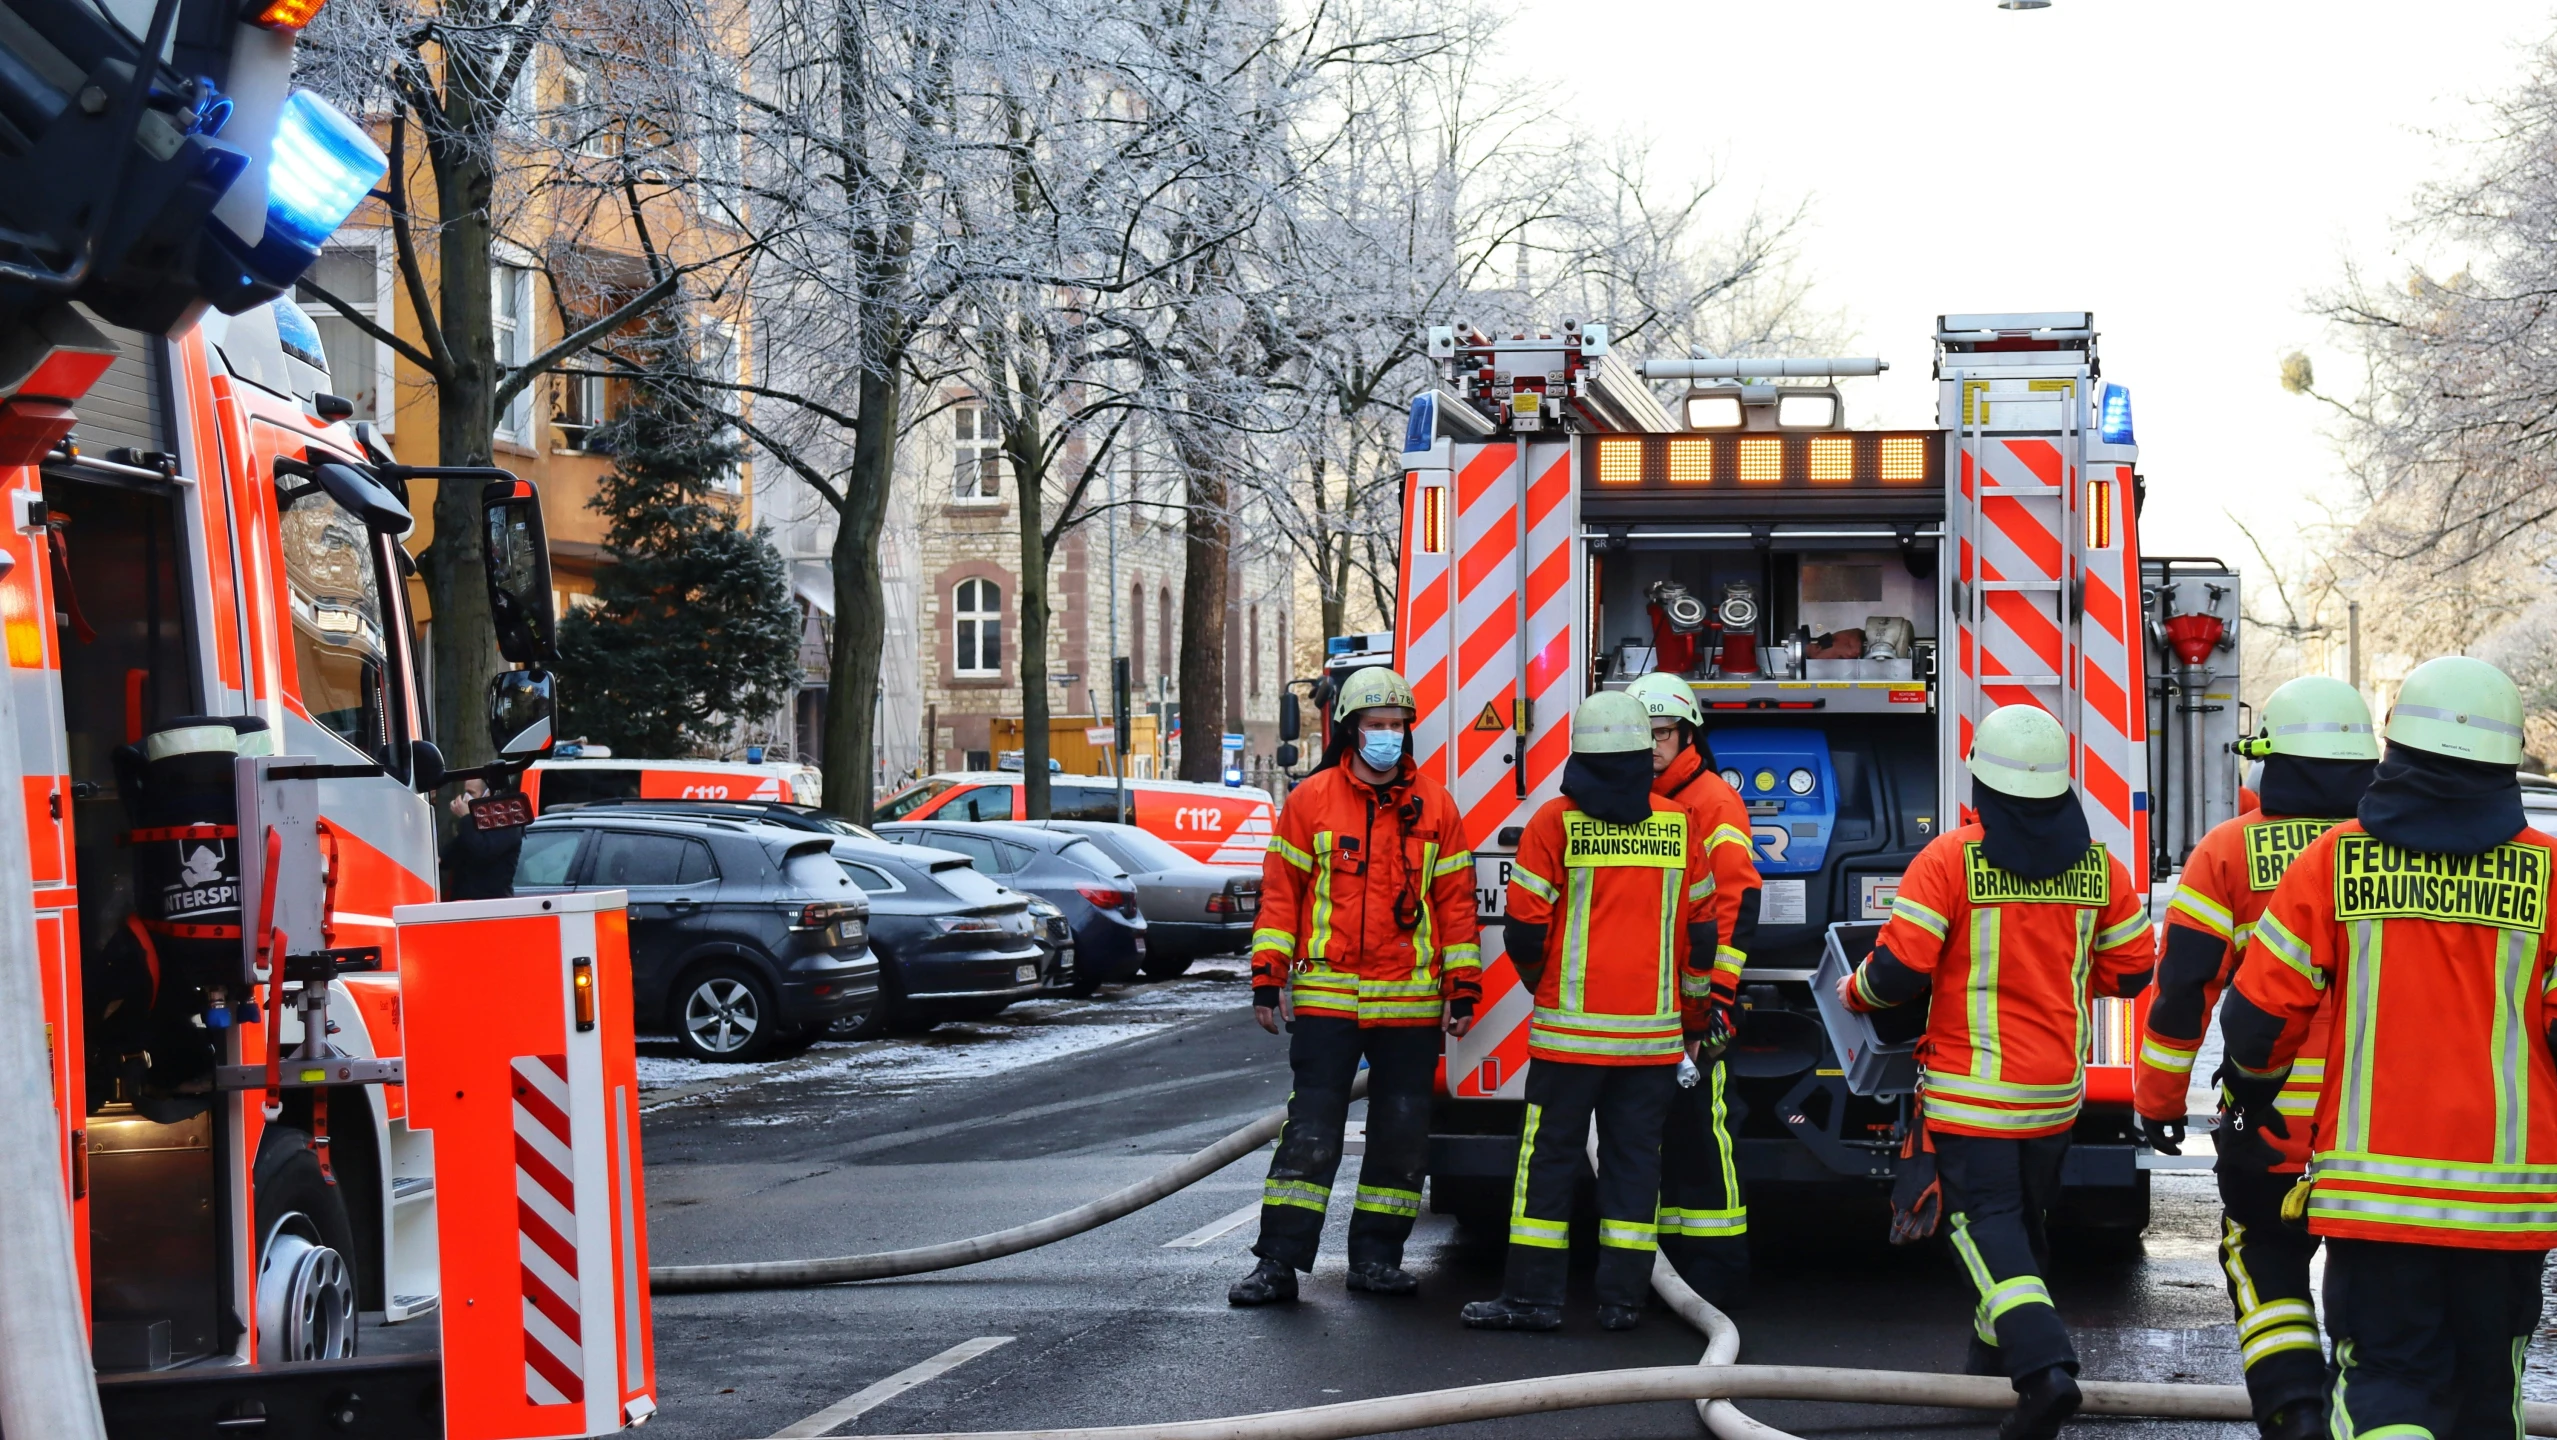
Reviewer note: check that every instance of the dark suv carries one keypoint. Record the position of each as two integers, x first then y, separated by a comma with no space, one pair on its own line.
746,940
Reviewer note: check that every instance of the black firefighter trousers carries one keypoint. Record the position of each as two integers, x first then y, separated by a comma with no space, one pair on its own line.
1402,1067
1704,1222
2266,1262
2428,1338
1995,1193
1631,1103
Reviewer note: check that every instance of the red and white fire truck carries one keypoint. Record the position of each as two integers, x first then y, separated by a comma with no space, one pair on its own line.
1847,604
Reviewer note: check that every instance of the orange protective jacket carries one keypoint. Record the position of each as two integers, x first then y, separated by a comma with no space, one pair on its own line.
2438,1122
2227,882
2010,964
1618,985
1718,819
1367,901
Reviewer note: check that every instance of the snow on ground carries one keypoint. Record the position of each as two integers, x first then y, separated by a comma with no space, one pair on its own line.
1028,1033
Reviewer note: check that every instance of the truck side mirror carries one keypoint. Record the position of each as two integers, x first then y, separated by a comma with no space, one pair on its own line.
425,766
1286,757
520,706
516,556
1291,724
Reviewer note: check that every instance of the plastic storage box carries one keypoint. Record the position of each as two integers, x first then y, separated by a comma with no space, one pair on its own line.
1875,1063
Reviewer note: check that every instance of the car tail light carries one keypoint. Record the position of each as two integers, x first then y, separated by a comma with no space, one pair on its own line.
1225,904
1104,896
1240,898
819,915
967,924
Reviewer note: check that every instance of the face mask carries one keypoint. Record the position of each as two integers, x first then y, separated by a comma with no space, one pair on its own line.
1381,749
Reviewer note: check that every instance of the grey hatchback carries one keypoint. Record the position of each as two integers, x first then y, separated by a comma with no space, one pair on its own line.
1192,909
745,939
952,944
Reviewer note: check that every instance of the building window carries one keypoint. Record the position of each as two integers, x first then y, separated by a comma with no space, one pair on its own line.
357,363
578,124
976,629
1163,639
976,466
722,153
723,362
513,315
1136,634
583,404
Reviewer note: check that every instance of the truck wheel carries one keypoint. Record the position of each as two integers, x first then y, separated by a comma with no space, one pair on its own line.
1166,967
725,1012
306,1280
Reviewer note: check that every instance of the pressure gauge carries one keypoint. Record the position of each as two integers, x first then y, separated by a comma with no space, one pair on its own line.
1731,778
1799,782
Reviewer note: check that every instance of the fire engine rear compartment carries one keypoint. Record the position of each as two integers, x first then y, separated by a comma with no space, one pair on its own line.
156,1208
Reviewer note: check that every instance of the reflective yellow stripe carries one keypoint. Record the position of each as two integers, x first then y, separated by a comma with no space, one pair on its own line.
1291,854
1534,884
1629,1234
1462,957
1984,991
1729,961
2210,914
1701,888
1703,1224
1388,1202
1970,1087
2272,937
1523,1228
1728,835
1460,861
1695,987
1278,940
1318,936
2122,934
2166,1056
1904,908
1865,990
1299,1193
1956,1112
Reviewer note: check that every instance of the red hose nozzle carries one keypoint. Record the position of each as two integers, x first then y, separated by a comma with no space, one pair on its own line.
2194,637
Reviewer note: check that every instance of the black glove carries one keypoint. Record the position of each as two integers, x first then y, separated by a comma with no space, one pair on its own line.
1265,997
2166,1137
2249,1111
1461,1008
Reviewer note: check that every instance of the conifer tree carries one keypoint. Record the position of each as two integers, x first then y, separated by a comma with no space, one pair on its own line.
694,628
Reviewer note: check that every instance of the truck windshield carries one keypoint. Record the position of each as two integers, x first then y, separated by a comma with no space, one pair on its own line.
340,639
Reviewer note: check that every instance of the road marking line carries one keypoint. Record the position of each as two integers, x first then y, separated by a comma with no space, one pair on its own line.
861,1402
1215,1230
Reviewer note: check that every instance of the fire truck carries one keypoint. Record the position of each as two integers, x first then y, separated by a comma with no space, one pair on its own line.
335,1158
1846,604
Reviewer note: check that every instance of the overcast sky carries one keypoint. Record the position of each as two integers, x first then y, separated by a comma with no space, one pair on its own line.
2191,172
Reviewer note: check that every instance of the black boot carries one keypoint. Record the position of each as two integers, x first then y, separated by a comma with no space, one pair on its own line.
1619,1317
1379,1278
2044,1400
1270,1280
2299,1420
1508,1314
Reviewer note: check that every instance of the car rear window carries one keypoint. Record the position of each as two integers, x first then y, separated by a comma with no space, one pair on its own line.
629,857
581,786
1144,849
814,872
971,886
547,856
870,878
912,800
1092,858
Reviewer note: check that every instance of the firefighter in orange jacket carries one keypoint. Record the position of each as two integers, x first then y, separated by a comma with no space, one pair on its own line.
1704,1221
1607,924
2010,925
2317,750
1367,926
2432,1179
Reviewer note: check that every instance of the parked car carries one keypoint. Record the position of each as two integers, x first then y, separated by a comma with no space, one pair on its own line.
770,812
1056,933
745,940
1097,896
1220,824
1192,909
952,944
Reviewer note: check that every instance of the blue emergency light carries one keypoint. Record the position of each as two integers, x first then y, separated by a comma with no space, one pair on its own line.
2114,422
323,168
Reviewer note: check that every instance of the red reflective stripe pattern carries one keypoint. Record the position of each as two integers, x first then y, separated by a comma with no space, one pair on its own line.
546,1219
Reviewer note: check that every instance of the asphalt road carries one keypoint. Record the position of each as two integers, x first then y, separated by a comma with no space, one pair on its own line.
859,1148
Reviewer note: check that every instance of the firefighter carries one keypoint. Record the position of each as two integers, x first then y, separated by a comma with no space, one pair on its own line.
1367,939
2432,1179
2317,751
1607,923
1704,1220
2009,925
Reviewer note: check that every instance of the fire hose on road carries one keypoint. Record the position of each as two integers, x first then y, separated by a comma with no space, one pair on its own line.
1712,1384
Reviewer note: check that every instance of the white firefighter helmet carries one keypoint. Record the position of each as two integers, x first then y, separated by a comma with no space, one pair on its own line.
2020,750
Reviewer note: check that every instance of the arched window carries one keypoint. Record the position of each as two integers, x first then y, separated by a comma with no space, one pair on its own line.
1136,633
976,628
